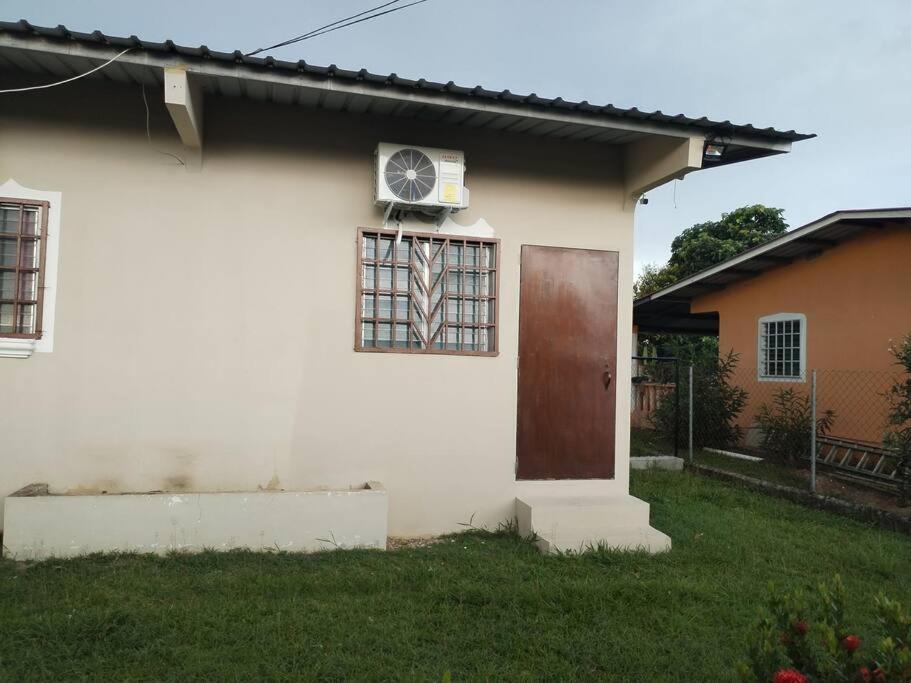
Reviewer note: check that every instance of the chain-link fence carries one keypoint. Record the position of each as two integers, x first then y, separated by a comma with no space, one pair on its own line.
655,384
767,427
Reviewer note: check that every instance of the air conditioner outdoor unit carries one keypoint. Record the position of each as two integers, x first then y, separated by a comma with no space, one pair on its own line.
421,178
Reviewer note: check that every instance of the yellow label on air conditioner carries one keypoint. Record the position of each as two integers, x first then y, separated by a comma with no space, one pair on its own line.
451,193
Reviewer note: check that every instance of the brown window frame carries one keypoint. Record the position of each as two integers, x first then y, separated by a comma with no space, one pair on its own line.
494,296
43,209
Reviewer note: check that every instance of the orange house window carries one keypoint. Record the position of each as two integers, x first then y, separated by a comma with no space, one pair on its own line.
782,347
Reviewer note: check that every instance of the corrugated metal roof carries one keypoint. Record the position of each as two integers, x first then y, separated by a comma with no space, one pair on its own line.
202,54
668,309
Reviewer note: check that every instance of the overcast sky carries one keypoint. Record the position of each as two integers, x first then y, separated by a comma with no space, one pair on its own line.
839,68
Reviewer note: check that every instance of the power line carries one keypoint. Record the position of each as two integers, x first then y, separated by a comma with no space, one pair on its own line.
309,33
334,26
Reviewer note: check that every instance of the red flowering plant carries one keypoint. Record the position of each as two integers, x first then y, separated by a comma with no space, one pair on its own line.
797,644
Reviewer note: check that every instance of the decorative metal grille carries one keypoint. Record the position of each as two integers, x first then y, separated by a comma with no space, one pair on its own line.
427,293
22,228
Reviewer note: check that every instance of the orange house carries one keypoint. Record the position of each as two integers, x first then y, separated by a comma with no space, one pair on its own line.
829,296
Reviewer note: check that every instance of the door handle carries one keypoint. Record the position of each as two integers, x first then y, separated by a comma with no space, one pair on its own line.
606,378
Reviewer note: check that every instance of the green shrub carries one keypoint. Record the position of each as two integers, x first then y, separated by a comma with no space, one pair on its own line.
898,436
785,426
799,640
716,406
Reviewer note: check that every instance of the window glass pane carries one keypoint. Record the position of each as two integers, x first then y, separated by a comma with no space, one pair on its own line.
416,340
7,285
490,256
7,252
26,319
384,334
385,277
453,310
436,271
367,334
401,307
401,279
386,248
472,279
369,277
369,247
470,314
455,254
401,335
452,338
385,306
9,219
30,221
472,255
435,296
483,339
6,317
469,339
797,326
454,282
28,253
486,279
490,312
368,306
28,286
403,252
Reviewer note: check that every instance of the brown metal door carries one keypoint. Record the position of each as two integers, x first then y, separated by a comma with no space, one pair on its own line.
567,362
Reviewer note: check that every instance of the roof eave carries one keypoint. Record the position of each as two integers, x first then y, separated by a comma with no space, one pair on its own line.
756,142
803,231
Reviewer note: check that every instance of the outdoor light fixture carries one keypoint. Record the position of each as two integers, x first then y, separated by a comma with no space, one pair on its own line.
713,151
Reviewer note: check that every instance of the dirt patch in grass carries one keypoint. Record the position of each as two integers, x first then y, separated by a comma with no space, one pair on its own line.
403,542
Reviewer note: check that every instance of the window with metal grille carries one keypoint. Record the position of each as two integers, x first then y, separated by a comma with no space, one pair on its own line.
23,225
782,346
426,293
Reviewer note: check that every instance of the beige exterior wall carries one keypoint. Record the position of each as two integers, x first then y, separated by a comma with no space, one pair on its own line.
205,319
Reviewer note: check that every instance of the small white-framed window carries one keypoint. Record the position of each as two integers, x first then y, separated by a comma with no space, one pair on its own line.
782,347
29,244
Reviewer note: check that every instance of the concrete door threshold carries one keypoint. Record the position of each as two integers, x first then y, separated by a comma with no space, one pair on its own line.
576,523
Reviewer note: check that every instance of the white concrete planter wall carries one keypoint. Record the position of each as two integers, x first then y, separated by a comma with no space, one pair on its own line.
39,527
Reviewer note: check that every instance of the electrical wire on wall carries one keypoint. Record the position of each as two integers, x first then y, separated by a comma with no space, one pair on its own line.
68,80
145,102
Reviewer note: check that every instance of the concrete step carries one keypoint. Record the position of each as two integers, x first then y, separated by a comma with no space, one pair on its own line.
587,512
642,539
577,523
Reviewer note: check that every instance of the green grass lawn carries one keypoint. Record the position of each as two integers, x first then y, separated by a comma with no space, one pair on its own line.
480,606
764,470
649,442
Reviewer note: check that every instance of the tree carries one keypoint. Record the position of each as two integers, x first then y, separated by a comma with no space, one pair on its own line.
705,244
652,278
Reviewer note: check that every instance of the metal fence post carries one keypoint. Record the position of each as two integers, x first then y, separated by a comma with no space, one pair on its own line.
676,407
813,433
691,411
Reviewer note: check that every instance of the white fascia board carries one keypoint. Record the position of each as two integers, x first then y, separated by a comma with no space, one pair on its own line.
797,233
216,69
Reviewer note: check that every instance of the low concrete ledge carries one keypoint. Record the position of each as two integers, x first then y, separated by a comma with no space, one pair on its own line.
656,462
37,527
861,513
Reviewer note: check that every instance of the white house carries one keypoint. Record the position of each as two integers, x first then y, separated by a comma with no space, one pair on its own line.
217,276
